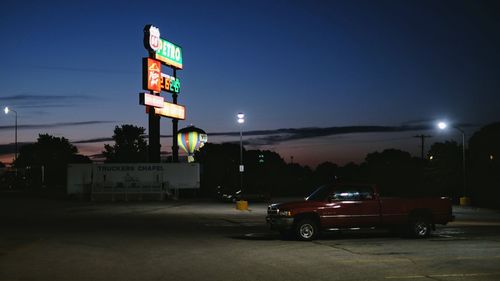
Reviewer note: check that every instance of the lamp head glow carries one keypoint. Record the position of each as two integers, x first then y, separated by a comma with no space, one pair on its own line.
241,118
442,125
6,110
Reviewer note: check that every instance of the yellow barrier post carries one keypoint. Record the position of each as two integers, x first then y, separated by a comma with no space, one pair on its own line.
242,205
464,201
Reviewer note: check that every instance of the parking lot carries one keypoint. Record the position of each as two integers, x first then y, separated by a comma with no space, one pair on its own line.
43,239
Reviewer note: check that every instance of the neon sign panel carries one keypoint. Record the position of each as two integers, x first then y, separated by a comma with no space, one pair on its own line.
151,100
171,110
163,50
156,81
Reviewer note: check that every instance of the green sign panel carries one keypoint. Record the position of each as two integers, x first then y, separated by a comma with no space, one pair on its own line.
169,53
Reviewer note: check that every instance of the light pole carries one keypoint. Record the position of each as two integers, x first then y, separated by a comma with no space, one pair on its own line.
241,204
464,200
241,120
7,110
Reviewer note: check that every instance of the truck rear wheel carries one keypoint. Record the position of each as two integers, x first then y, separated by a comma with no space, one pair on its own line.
420,227
306,230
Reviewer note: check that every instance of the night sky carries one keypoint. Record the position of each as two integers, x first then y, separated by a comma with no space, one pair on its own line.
73,69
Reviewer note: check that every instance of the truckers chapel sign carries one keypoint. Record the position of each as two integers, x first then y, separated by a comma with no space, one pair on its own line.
161,53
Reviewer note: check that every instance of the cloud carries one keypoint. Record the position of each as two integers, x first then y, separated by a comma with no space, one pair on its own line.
46,105
283,135
30,98
261,137
431,123
11,147
43,101
94,140
418,122
53,125
86,69
270,137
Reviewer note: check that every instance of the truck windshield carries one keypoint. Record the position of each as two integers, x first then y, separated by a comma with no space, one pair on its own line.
320,194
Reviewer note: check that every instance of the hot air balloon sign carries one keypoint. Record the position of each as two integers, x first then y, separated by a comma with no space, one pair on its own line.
191,139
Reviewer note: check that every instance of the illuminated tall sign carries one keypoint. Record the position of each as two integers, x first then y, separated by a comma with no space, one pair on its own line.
170,84
163,50
156,81
171,110
151,100
162,54
151,75
154,37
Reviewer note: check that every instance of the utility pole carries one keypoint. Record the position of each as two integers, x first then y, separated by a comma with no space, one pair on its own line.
422,139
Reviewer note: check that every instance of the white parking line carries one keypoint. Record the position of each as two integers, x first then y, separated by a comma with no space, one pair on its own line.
442,275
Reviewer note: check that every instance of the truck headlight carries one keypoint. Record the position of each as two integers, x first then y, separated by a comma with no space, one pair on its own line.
284,213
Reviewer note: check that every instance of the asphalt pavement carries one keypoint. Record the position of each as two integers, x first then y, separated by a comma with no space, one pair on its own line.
42,239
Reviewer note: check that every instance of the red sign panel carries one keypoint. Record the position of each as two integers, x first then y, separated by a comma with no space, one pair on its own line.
151,75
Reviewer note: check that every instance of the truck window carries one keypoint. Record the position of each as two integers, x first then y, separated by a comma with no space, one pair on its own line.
345,194
365,193
319,194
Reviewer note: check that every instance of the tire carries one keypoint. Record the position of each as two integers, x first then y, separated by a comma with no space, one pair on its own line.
306,230
420,227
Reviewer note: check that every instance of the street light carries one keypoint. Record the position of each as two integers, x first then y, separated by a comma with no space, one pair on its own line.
7,110
442,126
241,204
241,120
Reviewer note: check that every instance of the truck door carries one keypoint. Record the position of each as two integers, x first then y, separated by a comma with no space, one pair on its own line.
352,206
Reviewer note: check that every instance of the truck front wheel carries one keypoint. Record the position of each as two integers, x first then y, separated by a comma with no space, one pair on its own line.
420,227
306,230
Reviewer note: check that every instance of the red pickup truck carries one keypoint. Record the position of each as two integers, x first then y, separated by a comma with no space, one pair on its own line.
348,206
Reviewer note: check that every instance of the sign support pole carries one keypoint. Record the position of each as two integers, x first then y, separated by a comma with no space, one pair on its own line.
175,123
154,136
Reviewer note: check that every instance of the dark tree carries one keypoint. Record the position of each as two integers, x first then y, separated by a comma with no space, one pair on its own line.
48,158
350,172
396,172
298,180
325,172
444,170
129,147
2,165
219,167
47,149
78,158
484,166
264,172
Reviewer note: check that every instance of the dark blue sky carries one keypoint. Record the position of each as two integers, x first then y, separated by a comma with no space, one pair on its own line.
286,64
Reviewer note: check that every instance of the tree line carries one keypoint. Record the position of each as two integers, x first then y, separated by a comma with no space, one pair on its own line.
396,172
